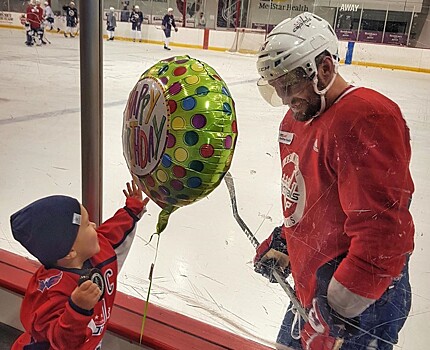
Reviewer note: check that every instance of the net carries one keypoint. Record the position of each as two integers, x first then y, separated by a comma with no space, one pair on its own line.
248,41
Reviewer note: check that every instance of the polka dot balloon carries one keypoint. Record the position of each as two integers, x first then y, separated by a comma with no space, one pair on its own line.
179,132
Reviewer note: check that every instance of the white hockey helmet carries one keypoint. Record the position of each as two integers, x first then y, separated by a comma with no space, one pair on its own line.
136,7
169,9
296,42
111,9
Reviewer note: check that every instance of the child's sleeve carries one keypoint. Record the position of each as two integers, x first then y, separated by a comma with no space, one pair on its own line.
61,323
121,228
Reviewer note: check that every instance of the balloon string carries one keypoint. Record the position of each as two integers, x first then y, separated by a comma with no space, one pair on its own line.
151,270
150,239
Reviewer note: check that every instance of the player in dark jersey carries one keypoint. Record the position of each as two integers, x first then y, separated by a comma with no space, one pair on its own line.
111,24
347,231
69,299
136,19
71,19
167,24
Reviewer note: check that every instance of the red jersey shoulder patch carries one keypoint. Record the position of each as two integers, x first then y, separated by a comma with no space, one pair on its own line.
49,282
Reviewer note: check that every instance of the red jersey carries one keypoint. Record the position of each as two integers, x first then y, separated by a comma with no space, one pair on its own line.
32,15
39,10
47,312
346,189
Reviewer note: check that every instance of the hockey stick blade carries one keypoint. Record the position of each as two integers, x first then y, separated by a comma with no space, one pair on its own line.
276,273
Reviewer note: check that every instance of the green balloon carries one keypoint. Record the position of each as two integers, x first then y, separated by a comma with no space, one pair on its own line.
179,132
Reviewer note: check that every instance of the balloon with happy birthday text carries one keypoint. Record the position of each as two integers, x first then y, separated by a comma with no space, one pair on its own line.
179,132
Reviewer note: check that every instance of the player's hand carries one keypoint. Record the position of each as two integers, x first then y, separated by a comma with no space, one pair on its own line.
86,296
176,29
272,253
326,329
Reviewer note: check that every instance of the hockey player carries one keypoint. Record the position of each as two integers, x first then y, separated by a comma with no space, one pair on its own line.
69,299
167,24
347,231
32,24
40,31
111,24
49,16
136,19
71,19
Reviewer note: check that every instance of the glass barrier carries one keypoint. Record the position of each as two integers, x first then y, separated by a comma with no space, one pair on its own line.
40,103
392,23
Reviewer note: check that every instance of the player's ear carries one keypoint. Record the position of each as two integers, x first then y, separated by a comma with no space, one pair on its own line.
325,71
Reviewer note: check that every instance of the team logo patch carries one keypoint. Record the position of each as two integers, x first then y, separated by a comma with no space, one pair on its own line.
293,190
49,282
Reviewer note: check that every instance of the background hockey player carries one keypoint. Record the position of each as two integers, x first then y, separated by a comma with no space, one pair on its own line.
71,19
69,299
347,231
167,24
40,20
136,19
48,14
32,16
111,23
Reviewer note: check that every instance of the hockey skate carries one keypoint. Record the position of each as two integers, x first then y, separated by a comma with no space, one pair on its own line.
166,47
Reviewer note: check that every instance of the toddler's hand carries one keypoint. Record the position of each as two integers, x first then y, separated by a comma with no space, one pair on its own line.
133,191
87,295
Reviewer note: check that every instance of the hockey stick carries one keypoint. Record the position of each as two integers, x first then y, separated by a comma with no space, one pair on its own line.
44,37
276,273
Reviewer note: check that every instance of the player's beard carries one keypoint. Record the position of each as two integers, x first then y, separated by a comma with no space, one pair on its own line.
307,109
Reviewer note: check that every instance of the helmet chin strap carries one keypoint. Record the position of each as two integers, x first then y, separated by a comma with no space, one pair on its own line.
324,91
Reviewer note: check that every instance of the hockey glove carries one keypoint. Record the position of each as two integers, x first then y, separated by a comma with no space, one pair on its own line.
272,253
176,29
323,331
326,329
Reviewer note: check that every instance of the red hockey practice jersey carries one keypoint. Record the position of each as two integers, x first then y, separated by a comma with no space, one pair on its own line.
346,189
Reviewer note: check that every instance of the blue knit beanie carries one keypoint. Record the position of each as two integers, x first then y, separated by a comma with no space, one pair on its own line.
48,227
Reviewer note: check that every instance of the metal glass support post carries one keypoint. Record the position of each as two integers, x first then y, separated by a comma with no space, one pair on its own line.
248,15
268,17
385,22
359,21
91,69
410,26
238,14
184,14
335,17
